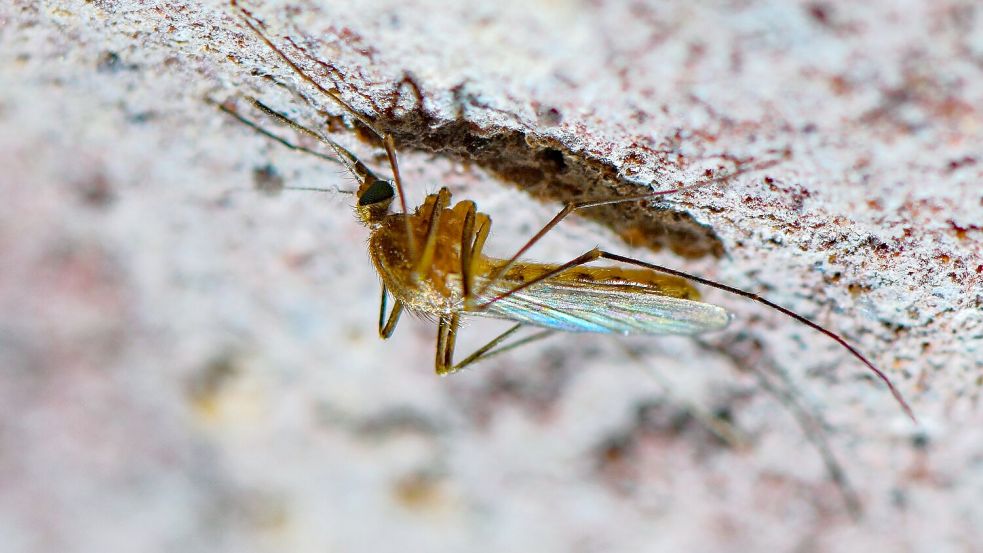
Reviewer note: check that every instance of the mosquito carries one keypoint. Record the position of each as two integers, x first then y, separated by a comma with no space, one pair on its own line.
431,262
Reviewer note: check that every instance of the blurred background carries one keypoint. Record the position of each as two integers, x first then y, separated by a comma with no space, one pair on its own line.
188,353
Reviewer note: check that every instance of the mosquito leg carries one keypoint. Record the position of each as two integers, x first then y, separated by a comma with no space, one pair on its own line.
788,312
446,338
591,255
474,232
390,144
483,224
467,243
387,325
726,431
490,349
473,235
596,253
575,206
813,428
440,201
447,335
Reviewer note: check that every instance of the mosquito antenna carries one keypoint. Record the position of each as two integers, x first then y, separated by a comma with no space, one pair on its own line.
348,159
252,125
755,297
260,130
334,190
254,23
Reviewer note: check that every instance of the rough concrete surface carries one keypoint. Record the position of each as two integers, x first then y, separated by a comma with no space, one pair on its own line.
188,354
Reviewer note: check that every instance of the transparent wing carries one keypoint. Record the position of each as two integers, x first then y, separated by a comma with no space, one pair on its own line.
602,308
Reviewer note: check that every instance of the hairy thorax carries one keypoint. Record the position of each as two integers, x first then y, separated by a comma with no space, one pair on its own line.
431,289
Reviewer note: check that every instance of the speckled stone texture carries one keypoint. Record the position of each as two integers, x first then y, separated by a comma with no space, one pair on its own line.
188,353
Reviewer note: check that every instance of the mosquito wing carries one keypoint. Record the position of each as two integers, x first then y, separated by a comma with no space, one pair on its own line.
576,307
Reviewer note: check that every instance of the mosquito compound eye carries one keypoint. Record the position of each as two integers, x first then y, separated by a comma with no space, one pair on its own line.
378,191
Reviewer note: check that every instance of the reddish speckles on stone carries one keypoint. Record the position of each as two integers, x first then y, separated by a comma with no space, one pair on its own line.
357,42
707,136
633,158
956,164
962,231
954,108
840,85
547,115
820,12
979,269
638,116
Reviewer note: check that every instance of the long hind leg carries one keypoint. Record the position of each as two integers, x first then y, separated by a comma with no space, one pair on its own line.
473,235
447,336
387,325
572,207
596,254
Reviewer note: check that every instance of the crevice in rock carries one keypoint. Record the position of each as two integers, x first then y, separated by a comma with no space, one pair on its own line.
541,166
550,171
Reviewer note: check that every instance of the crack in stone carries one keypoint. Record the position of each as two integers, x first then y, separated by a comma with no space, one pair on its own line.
550,171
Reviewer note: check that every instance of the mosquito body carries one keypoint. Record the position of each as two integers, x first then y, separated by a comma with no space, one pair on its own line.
431,262
451,277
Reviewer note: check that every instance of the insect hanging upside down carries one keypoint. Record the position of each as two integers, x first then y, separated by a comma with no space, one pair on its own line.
431,261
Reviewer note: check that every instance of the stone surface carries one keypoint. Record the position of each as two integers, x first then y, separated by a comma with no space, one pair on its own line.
188,354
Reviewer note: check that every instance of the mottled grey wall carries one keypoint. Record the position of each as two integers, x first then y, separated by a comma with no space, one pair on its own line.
188,360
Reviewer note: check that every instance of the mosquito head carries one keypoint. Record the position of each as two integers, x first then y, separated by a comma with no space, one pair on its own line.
374,198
